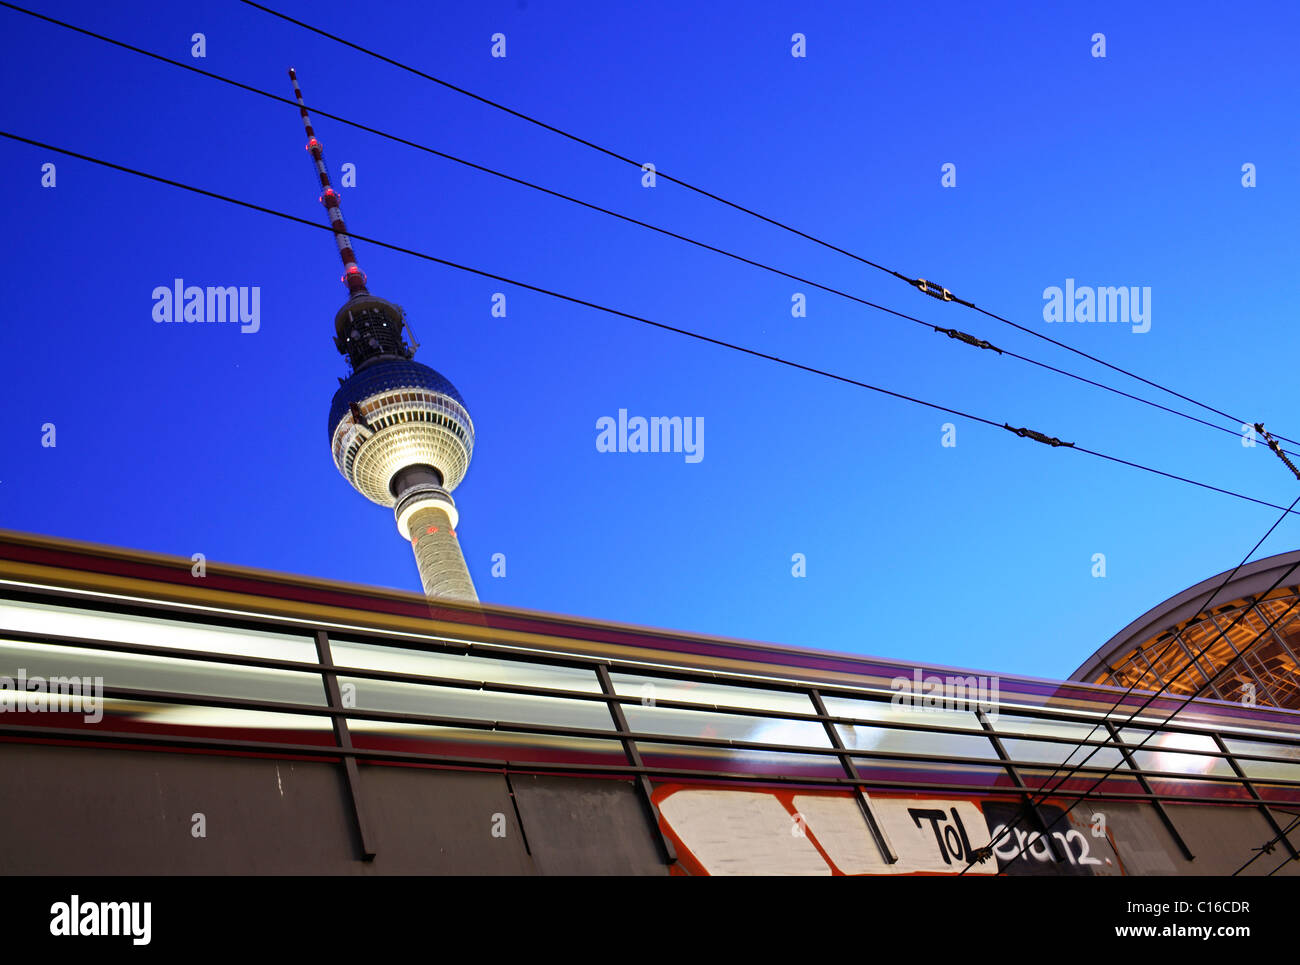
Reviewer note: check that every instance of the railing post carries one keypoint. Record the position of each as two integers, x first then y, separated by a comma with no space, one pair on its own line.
344,739
644,785
1026,795
1250,789
1165,818
860,795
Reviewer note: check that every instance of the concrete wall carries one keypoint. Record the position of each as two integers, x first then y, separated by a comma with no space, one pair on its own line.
77,811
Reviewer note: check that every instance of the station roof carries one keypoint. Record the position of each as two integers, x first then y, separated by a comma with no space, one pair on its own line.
1186,646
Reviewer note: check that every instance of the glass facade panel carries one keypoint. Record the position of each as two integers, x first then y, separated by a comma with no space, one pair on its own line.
430,663
1267,770
861,737
474,743
885,711
733,760
1063,749
884,734
250,724
651,689
172,674
143,716
404,698
153,632
1175,752
695,723
1056,783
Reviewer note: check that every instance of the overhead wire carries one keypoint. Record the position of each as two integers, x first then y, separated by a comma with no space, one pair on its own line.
1267,846
921,284
627,315
938,329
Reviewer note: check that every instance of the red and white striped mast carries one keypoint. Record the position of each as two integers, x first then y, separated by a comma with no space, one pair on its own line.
412,458
353,276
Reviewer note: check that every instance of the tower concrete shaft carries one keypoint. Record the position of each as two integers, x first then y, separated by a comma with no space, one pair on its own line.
427,517
438,556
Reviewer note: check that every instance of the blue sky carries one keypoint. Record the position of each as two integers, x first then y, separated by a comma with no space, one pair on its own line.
1117,171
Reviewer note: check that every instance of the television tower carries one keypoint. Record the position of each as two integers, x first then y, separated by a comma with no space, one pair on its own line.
400,433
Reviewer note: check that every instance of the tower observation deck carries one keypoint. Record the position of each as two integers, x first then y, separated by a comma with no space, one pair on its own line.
399,432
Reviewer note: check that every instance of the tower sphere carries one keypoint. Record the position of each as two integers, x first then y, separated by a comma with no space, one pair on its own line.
394,414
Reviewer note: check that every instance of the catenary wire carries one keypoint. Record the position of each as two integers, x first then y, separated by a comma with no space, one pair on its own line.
630,316
626,218
739,207
1267,847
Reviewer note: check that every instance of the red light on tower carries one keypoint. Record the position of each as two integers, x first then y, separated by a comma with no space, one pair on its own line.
354,278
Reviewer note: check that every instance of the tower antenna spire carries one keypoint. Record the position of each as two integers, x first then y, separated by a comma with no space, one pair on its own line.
353,276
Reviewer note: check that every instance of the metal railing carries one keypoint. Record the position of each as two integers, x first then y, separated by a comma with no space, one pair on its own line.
643,755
